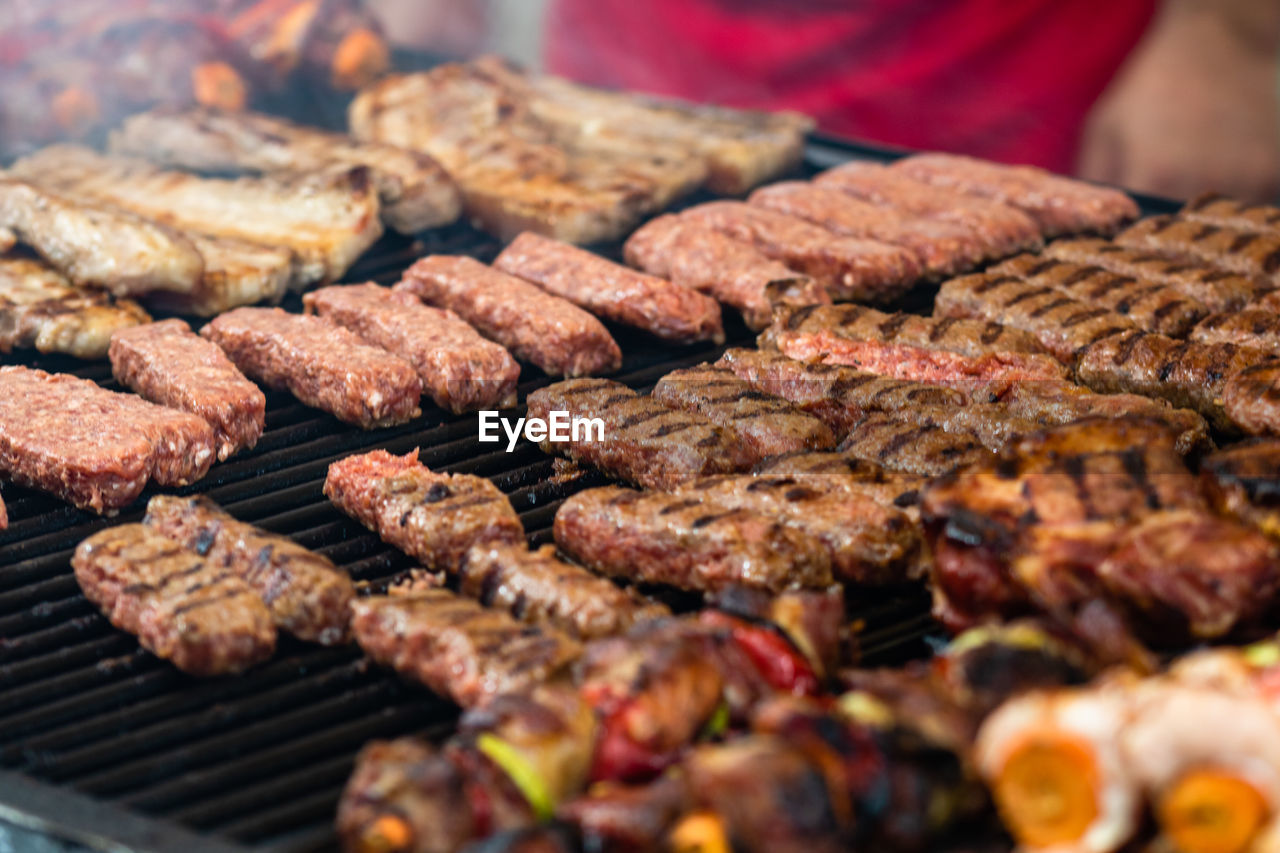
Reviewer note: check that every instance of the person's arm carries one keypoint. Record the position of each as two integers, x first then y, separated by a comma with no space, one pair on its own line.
1195,107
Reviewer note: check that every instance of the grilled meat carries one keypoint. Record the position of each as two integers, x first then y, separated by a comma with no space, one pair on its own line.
731,271
899,444
435,518
320,363
846,473
1251,327
1058,205
686,542
643,441
414,192
1251,398
667,310
1061,324
551,332
944,247
849,268
459,369
236,272
1216,288
1149,305
1250,253
41,309
98,245
168,364
456,647
767,425
540,588
308,595
1218,209
203,618
991,424
327,222
1243,481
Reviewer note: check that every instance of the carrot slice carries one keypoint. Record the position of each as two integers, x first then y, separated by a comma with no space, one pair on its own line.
1211,811
1047,790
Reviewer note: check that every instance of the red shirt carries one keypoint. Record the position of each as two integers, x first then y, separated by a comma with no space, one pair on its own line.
1011,81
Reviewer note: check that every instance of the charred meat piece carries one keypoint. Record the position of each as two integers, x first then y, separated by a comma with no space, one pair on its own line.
627,817
1063,325
611,291
1216,288
868,542
848,267
642,441
98,245
944,247
1000,229
435,518
169,364
539,587
1250,253
459,369
844,473
92,447
1251,398
1243,482
1149,305
41,309
321,363
768,425
415,193
456,647
1059,205
550,332
730,271
686,542
1252,327
899,444
200,616
308,595
991,424
1218,209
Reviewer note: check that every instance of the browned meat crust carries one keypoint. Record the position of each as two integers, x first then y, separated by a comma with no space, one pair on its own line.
898,443
456,647
308,595
990,423
1220,210
4,515
460,369
768,425
844,473
731,271
320,363
1061,324
1059,205
540,588
433,517
1244,482
1149,305
1251,398
611,291
1217,288
849,268
200,616
686,542
1252,327
92,447
1249,253
551,332
944,247
169,364
644,442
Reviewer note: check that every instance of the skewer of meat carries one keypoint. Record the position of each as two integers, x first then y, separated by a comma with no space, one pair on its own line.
731,271
901,445
548,331
1249,253
1217,209
198,615
169,364
686,542
849,268
460,369
308,595
767,425
321,363
611,291
642,441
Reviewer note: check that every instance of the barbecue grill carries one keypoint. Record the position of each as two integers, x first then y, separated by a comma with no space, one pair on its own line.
105,745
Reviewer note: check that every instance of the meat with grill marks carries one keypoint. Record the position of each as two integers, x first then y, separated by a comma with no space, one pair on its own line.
1149,305
848,474
1252,327
990,423
200,616
1250,253
308,595
435,518
867,541
644,442
768,425
1251,398
1243,481
1060,323
898,443
1218,209
686,542
1216,288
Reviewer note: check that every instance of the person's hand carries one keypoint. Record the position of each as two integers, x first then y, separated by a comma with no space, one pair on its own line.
1194,109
